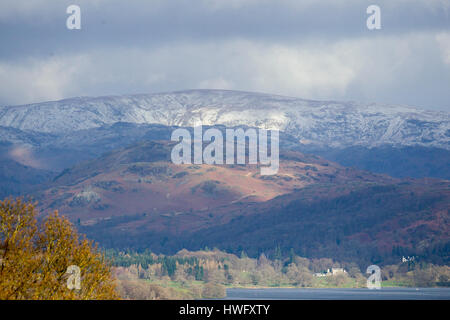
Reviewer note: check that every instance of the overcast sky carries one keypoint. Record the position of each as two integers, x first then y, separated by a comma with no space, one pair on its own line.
314,49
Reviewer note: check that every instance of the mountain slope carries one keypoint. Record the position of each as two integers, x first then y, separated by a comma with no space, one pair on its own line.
401,162
369,223
19,174
135,197
316,123
141,179
120,187
359,223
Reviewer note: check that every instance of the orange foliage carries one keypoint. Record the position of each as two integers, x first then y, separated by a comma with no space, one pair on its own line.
34,257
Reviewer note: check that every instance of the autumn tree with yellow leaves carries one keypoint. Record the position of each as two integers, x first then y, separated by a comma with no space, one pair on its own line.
35,257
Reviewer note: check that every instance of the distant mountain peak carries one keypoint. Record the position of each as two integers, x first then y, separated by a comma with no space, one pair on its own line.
320,123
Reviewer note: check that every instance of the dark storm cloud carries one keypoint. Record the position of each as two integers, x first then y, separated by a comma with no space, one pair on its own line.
313,49
39,27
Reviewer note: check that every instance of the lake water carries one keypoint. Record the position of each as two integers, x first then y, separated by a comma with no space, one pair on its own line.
340,294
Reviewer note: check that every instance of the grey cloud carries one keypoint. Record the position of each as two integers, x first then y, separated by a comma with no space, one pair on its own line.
39,27
311,49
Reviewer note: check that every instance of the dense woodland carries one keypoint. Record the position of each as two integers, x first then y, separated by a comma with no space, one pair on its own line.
207,273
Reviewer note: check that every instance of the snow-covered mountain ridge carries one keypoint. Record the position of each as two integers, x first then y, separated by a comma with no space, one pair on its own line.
321,123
